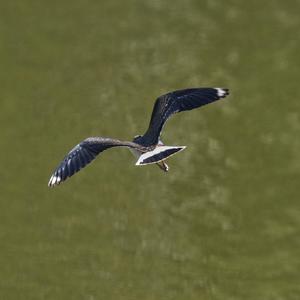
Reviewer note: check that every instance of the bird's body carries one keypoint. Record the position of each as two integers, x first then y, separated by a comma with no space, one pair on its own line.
158,149
147,148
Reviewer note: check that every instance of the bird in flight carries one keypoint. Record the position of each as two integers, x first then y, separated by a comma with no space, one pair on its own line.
148,148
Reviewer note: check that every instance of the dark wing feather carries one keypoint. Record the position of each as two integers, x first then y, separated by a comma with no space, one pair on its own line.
82,154
175,102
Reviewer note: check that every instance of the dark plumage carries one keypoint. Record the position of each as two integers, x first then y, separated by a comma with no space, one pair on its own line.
167,105
164,107
83,153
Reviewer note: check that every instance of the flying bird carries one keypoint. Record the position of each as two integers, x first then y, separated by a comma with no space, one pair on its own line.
148,148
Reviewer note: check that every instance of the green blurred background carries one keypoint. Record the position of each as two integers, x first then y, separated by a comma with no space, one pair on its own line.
224,223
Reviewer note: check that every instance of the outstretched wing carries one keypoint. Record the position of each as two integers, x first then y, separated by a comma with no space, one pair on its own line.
177,101
82,154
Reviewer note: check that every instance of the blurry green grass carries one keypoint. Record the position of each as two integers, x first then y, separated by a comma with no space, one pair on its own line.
223,224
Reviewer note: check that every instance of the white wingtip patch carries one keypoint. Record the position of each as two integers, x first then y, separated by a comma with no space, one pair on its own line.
54,180
221,92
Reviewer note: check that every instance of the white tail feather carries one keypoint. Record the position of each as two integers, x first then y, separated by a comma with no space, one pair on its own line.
160,153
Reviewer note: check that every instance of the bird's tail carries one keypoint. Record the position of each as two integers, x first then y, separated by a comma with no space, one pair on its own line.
160,153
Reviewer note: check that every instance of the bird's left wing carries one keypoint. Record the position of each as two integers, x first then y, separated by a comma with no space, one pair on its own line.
82,154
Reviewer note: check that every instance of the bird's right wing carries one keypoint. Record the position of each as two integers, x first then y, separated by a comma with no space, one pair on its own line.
82,154
177,101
